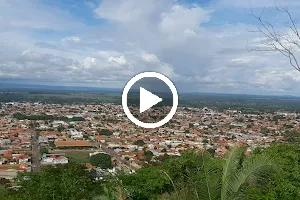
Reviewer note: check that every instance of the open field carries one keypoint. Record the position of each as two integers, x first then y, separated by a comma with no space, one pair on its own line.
78,156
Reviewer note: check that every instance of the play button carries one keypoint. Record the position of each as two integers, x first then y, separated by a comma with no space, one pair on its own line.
147,100
156,96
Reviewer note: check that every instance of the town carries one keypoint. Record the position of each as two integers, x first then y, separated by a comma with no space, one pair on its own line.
35,134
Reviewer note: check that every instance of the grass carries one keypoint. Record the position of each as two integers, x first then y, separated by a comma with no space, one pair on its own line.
78,156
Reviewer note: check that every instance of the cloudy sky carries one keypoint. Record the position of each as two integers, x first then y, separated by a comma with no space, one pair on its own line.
199,44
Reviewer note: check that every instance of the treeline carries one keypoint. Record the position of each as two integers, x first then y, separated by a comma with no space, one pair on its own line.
61,98
268,174
21,116
250,104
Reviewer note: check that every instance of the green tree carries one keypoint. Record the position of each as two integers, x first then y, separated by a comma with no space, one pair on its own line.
101,160
211,151
60,128
205,141
43,150
147,183
148,155
238,169
286,185
197,175
104,132
70,181
52,145
139,143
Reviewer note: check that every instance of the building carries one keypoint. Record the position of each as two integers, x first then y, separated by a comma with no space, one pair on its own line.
73,143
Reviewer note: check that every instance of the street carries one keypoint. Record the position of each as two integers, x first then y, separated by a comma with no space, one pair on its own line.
35,162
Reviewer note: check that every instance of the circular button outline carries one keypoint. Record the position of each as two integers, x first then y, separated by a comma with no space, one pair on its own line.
136,78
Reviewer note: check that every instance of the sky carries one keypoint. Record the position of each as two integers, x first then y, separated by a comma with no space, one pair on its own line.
199,44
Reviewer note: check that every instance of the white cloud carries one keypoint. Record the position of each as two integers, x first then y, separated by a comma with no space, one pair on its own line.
107,54
72,39
89,62
120,60
125,11
183,19
151,58
137,36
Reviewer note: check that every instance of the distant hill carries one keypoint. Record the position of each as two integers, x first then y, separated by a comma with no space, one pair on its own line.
16,87
32,88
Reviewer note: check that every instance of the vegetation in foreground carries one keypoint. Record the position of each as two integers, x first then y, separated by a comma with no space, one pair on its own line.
268,174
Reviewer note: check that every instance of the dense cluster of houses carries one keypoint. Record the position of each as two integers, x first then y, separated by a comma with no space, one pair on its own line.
129,145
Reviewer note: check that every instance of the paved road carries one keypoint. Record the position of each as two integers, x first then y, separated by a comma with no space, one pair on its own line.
36,162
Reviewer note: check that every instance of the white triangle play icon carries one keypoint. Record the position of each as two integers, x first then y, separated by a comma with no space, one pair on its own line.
147,100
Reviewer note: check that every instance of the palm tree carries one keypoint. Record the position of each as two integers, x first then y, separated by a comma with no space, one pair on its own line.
239,170
210,182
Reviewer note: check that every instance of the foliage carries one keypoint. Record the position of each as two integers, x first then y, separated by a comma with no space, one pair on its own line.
3,192
198,175
139,142
60,128
43,150
21,116
287,185
101,160
147,183
4,182
205,141
148,155
104,132
193,175
66,182
211,151
292,136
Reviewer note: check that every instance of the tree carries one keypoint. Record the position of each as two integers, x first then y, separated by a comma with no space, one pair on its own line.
211,151
70,181
286,185
286,42
147,183
197,175
101,160
139,143
104,132
43,150
71,126
60,128
237,170
205,141
52,144
148,155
